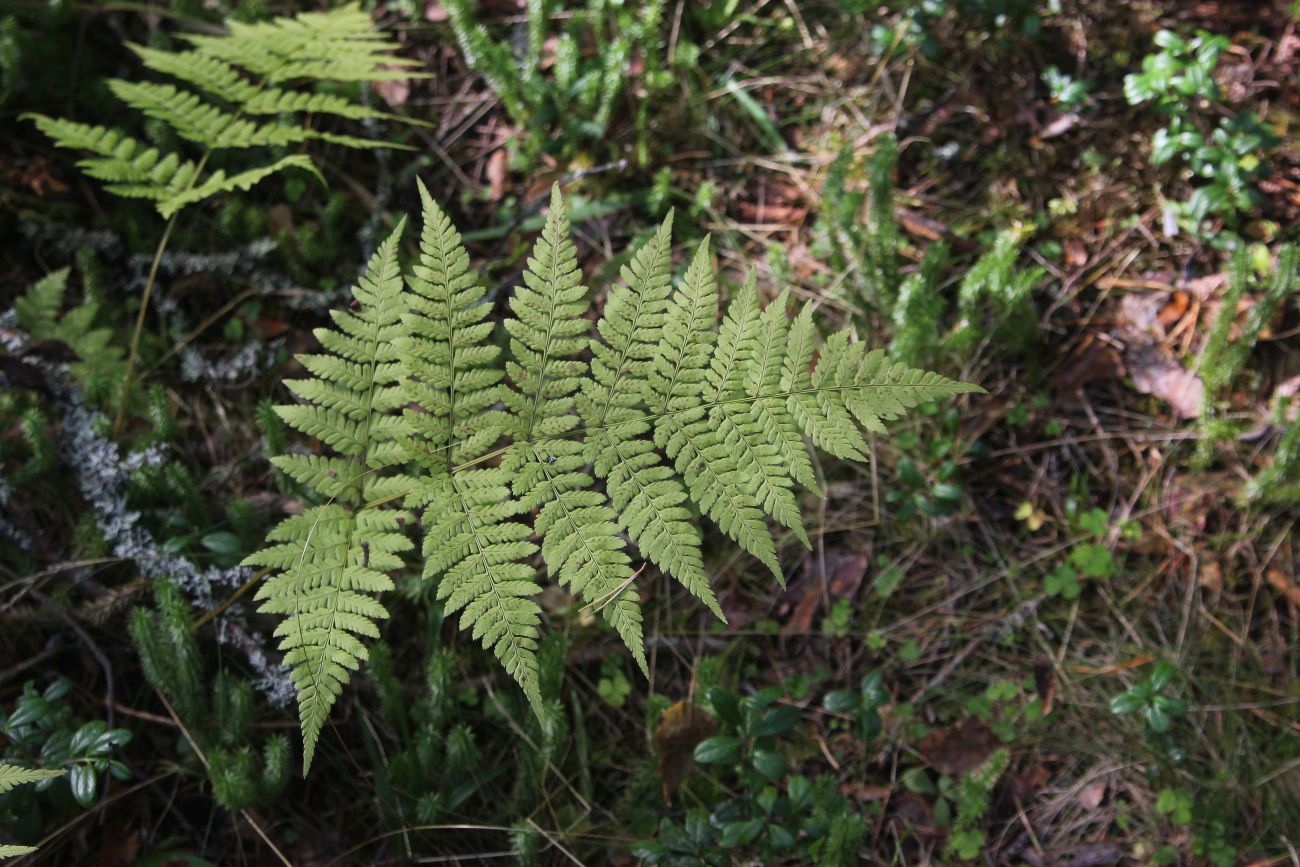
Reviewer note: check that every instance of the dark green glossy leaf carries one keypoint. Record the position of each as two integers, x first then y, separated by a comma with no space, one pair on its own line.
84,785
775,722
768,763
718,750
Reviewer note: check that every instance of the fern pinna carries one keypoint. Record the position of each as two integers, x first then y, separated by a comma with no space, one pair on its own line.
592,450
232,93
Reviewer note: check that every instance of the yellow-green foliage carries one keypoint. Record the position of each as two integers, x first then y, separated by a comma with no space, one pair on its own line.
230,92
671,412
11,777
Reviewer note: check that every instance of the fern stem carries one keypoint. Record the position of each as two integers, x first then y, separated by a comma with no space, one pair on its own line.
139,318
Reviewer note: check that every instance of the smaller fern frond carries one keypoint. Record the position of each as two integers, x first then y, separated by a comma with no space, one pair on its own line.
219,182
338,45
473,550
225,97
12,776
331,561
763,386
472,546
452,375
99,364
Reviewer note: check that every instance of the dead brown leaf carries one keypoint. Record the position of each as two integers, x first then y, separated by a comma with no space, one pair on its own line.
681,727
962,748
1284,584
497,174
1156,374
1210,576
1091,796
1044,683
846,571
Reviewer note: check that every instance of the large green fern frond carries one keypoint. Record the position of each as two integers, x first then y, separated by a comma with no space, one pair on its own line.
674,412
332,560
226,98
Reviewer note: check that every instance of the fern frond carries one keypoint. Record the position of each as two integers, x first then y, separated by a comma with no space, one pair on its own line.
99,366
648,498
225,97
38,308
338,45
11,776
210,74
763,386
672,411
218,182
677,385
131,169
581,545
332,560
213,127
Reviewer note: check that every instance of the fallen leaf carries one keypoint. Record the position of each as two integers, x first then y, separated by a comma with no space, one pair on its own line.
1156,374
962,748
269,327
1284,584
1091,796
1210,576
846,578
920,226
1028,783
864,792
1094,360
681,727
913,813
1044,683
119,847
395,91
279,220
1178,304
497,174
1076,254
1059,126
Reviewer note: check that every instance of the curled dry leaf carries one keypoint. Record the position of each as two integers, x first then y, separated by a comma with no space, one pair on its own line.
681,727
1157,374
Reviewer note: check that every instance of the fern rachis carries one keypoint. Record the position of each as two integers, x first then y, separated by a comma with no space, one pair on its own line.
502,460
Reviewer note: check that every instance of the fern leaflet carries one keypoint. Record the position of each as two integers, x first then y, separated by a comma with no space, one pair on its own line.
333,559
